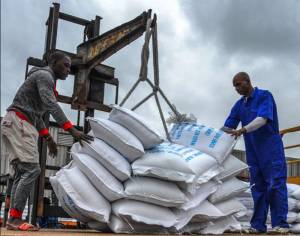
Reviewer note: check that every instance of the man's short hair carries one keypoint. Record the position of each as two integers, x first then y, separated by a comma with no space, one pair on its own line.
243,75
56,56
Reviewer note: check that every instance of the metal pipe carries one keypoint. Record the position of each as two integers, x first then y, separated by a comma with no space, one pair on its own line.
162,117
130,92
290,130
168,102
74,19
142,101
49,31
163,95
78,118
155,54
117,94
292,146
54,26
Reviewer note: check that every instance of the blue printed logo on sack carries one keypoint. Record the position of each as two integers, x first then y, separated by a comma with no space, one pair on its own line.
215,139
191,157
197,132
179,131
195,137
184,152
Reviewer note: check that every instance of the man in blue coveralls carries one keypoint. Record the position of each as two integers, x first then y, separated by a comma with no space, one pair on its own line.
257,112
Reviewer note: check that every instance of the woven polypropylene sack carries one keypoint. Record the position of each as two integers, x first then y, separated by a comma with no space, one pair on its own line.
136,125
231,168
292,188
292,204
118,137
125,226
290,219
295,228
230,206
206,139
200,193
156,191
111,188
144,212
112,160
99,226
219,226
247,202
82,195
230,188
296,194
176,163
205,211
64,201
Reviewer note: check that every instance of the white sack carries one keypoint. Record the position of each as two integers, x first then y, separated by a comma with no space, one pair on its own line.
192,228
244,217
99,226
154,191
292,204
65,202
245,225
232,166
295,228
291,217
298,205
247,202
144,212
292,188
298,218
231,206
296,194
112,160
228,189
118,137
124,226
199,195
203,212
136,125
246,193
176,163
111,188
208,140
82,195
219,226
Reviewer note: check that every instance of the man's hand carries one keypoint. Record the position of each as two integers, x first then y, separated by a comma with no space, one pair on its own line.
236,133
79,136
51,146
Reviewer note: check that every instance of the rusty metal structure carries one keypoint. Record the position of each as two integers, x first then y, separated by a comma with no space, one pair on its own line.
90,79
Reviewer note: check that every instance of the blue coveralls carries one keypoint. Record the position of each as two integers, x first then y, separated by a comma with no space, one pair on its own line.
265,158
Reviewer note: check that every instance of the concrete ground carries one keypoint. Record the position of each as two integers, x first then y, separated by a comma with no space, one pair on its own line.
48,232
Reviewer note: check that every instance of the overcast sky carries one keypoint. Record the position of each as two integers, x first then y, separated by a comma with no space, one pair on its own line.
202,44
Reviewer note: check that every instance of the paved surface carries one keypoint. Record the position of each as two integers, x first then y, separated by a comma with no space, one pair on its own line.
48,232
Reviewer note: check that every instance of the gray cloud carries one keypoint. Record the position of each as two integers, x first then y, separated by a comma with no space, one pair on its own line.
202,44
269,28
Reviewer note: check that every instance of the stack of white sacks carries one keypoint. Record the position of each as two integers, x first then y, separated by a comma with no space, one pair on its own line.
293,217
132,181
294,207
